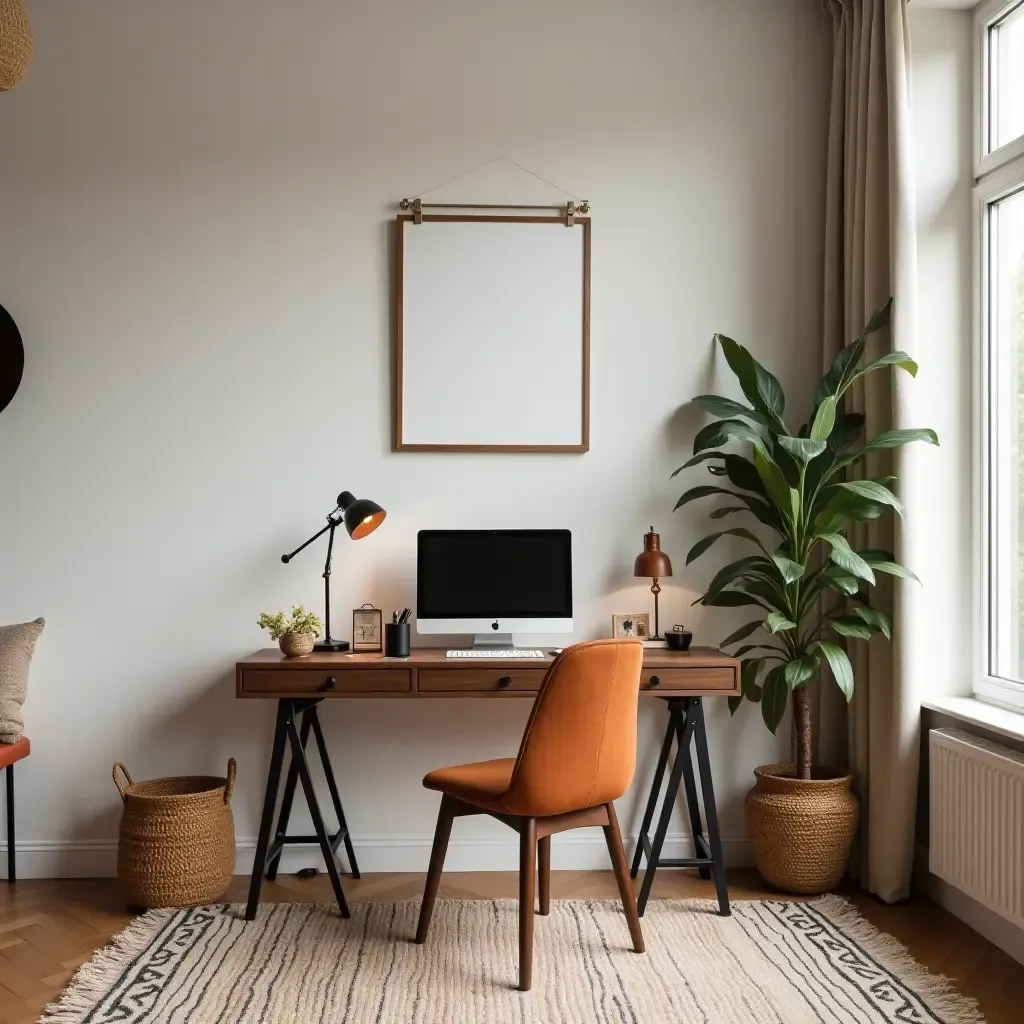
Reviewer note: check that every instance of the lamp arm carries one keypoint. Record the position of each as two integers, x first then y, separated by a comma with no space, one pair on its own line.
331,523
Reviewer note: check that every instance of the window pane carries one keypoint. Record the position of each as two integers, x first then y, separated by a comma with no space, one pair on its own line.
1008,78
1007,434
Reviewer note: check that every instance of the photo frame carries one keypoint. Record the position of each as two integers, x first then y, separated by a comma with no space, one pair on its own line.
367,630
631,626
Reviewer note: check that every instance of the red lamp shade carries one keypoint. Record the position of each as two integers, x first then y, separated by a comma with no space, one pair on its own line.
652,562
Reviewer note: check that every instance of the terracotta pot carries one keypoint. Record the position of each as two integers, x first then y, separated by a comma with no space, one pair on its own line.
802,830
297,645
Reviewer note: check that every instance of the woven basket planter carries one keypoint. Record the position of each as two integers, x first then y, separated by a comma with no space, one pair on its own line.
802,830
297,645
15,44
177,841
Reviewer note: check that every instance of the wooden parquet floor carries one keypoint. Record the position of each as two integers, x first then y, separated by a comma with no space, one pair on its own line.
48,928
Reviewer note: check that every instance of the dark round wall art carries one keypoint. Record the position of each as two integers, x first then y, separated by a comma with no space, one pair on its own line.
12,358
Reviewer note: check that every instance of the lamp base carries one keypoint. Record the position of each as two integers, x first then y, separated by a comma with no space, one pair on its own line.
331,646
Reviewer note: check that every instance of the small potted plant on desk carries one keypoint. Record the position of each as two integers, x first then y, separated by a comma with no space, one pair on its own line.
296,633
810,589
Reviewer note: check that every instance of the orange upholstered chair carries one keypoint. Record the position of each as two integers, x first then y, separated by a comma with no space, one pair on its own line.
577,756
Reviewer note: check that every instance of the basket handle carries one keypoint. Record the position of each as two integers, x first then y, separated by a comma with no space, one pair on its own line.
229,787
124,772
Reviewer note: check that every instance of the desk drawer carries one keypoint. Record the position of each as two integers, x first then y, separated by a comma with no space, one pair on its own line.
481,680
318,682
698,679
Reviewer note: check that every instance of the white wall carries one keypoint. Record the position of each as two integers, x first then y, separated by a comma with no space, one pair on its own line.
941,80
194,211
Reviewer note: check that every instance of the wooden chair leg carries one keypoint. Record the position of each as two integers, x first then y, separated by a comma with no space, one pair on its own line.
544,874
527,886
613,838
445,816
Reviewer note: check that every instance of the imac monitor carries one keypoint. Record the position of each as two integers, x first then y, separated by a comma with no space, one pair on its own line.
493,582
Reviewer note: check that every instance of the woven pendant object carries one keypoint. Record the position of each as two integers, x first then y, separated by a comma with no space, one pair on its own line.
15,44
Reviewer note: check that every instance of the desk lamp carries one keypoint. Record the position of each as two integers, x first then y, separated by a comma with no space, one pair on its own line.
653,563
361,517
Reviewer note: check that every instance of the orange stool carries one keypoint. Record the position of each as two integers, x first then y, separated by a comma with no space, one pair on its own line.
9,753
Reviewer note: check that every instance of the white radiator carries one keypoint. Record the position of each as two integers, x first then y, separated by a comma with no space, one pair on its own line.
976,807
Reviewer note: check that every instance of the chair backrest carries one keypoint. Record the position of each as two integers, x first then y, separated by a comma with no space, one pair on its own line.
579,748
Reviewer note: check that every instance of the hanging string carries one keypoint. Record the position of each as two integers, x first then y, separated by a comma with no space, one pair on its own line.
488,163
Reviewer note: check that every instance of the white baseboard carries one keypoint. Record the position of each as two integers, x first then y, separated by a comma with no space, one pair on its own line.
98,858
1000,932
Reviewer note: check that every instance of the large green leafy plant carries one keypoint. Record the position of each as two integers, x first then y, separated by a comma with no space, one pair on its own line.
811,589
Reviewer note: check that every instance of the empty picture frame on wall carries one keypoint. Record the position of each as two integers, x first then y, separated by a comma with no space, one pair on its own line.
492,334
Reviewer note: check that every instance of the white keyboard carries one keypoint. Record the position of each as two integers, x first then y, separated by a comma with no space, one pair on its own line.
507,655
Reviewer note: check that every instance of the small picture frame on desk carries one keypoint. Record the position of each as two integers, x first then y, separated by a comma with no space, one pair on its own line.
367,630
631,626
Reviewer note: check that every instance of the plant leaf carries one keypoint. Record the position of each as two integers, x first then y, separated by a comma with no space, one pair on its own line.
778,623
743,474
702,491
702,457
824,420
895,438
846,558
877,620
840,581
734,704
774,481
721,513
749,669
774,696
717,405
702,545
900,359
883,561
791,571
801,670
721,432
842,670
802,448
762,390
848,626
730,599
742,633
873,491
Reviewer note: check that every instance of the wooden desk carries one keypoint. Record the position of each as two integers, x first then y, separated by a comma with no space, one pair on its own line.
682,679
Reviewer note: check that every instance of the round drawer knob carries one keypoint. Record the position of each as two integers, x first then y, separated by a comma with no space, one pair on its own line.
330,683
505,682
655,680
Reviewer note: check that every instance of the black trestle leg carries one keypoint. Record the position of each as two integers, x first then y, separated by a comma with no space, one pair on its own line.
284,715
711,812
12,874
299,756
687,727
652,800
332,786
290,782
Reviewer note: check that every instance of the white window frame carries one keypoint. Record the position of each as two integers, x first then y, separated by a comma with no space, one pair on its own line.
998,173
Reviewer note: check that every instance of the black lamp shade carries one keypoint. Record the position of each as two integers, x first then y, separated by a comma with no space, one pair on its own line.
361,515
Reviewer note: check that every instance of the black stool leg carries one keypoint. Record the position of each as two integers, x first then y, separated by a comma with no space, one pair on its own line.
284,715
290,782
652,800
710,811
12,874
654,857
299,756
333,788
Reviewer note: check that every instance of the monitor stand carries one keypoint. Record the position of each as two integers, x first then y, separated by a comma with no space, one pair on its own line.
488,641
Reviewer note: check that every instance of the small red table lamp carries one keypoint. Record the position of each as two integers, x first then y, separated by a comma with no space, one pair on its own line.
653,563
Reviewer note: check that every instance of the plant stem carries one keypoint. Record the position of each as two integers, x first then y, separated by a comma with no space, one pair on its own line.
802,725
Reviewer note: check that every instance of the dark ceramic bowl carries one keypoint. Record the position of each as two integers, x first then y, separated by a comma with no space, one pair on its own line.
678,639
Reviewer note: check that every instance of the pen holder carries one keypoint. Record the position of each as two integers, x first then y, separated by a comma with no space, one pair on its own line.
396,639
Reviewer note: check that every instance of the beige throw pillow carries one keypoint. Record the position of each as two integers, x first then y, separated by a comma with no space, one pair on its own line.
17,643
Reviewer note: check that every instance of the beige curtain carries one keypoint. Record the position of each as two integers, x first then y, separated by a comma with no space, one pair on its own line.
870,254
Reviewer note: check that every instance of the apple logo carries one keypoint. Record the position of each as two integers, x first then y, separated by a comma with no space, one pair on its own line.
494,625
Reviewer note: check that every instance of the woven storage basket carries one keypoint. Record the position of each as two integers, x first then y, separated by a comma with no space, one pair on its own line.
177,842
15,43
801,829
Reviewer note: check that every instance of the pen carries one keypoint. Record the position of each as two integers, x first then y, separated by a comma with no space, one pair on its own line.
394,617
405,615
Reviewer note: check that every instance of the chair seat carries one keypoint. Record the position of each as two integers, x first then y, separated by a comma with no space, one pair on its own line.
11,752
482,783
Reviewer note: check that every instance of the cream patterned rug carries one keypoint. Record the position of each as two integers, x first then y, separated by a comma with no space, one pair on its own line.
299,963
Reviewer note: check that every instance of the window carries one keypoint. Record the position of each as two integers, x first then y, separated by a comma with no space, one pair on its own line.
1000,252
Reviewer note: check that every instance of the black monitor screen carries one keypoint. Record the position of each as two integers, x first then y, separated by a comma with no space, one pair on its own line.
510,574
